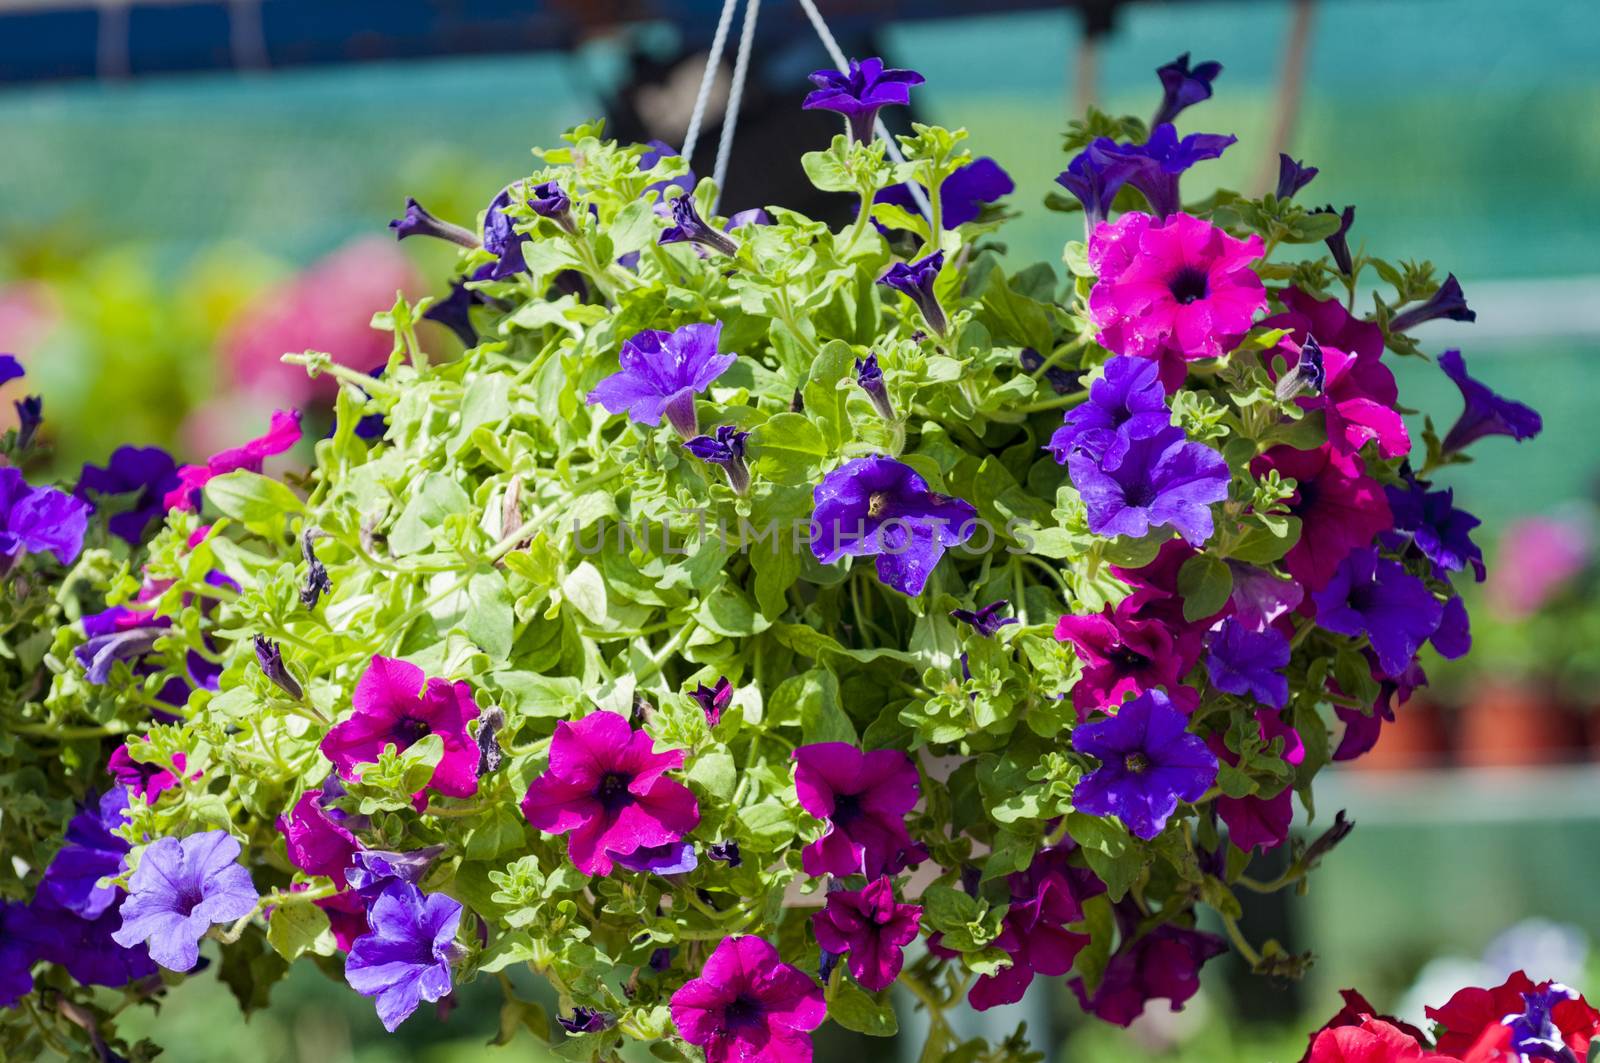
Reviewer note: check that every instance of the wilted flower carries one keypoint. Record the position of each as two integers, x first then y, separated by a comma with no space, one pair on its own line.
688,227
1148,763
317,581
586,1020
1307,375
748,1006
880,507
725,852
269,655
30,415
406,957
860,92
863,797
180,888
661,374
986,620
713,699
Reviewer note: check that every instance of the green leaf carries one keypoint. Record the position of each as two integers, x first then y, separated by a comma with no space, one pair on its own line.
585,589
853,1008
297,928
489,619
786,449
812,700
1204,582
259,503
715,774
427,505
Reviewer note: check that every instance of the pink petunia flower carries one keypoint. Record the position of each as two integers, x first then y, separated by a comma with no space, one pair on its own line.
144,779
1175,290
870,926
1340,509
282,433
1044,899
397,705
863,798
1260,822
606,788
1122,655
316,843
748,1006
1537,557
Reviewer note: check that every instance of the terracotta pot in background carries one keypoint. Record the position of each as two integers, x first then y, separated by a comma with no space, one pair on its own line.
1416,740
1515,725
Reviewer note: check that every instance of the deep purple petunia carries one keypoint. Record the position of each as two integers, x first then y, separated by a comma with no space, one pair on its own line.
870,378
916,280
1156,165
1045,898
1148,763
417,221
872,927
860,92
1534,1033
713,700
147,473
1249,663
86,948
1453,637
963,194
1183,86
146,780
500,236
672,858
881,507
864,798
606,789
1430,521
1484,413
1293,176
405,958
661,374
725,852
724,447
1373,596
748,1006
1095,175
180,888
1448,302
10,369
688,227
1163,964
37,520
395,704
30,415
986,620
1126,402
269,657
1162,480
317,843
586,1020
92,852
1338,243
655,151
548,201
17,951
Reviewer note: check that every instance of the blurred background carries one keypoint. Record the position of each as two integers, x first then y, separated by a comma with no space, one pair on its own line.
189,189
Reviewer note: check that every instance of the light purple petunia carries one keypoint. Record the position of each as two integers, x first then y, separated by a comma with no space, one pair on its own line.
916,280
1249,663
1260,597
181,887
1484,412
405,957
864,798
872,927
37,520
860,92
661,374
1161,481
881,507
1373,596
670,858
1126,402
1148,763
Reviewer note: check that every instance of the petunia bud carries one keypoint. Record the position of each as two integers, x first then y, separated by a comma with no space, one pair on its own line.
1328,839
269,655
1182,87
586,1020
713,699
688,227
916,279
726,448
1449,302
1338,245
549,201
418,222
1292,176
870,377
30,414
1306,376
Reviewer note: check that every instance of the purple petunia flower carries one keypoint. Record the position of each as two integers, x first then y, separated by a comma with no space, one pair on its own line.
1484,413
1308,376
661,374
748,1006
916,280
1148,763
405,958
713,699
1156,165
963,194
1430,521
30,415
1338,243
870,378
986,619
726,448
180,888
549,201
372,871
688,227
92,853
1095,175
1126,403
872,928
881,507
17,951
1161,965
860,92
1259,597
1293,176
1161,481
417,221
655,151
1373,596
1534,1033
863,797
37,520
86,948
725,852
1448,302
500,236
1249,663
269,656
1453,637
586,1020
10,369
1183,87
672,858
395,704
142,778
147,473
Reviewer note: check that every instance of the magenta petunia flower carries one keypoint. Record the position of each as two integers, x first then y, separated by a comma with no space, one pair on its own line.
1163,964
143,779
748,1006
1181,286
1373,596
661,374
395,704
406,957
317,844
283,432
1537,557
1260,822
872,927
606,788
1339,506
864,799
181,887
1120,655
1045,898
1148,763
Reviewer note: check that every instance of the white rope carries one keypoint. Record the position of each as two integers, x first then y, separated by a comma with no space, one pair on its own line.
837,55
730,118
714,60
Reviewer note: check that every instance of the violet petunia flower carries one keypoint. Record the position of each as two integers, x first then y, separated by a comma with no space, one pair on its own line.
417,221
1183,87
1453,637
500,236
872,927
881,507
985,620
688,227
1534,1033
916,280
606,789
962,196
713,700
18,953
1148,763
1121,654
30,415
283,432
405,958
860,92
1126,402
1046,898
661,374
1373,596
317,843
86,948
181,887
10,369
1293,176
586,1020
672,858
725,852
92,852
1162,480
548,201
147,473
1259,597
1156,165
748,1006
395,704
38,520
725,447
1338,243
1249,663
863,798
1161,965
870,379
372,871
1095,177
1448,302
1484,413
1430,521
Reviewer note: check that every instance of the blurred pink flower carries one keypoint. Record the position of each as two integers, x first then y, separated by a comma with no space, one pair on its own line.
1536,557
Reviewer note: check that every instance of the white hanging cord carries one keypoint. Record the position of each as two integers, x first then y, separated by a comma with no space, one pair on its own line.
730,117
718,42
837,55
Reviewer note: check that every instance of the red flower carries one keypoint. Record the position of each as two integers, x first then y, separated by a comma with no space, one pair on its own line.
1374,1041
1470,1015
